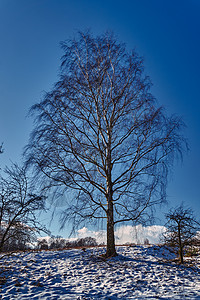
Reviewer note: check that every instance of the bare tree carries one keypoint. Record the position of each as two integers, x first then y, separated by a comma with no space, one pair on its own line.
100,135
42,244
57,243
146,241
18,207
181,229
19,237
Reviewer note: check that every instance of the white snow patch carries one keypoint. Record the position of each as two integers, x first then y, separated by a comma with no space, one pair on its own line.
139,272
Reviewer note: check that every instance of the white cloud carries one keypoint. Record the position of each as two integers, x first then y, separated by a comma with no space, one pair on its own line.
127,234
123,234
99,235
137,234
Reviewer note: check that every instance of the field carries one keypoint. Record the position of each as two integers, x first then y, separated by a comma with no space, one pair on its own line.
138,272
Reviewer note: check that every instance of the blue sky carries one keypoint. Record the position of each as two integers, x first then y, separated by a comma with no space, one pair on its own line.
166,33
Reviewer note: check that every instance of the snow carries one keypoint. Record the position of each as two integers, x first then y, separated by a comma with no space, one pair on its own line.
138,272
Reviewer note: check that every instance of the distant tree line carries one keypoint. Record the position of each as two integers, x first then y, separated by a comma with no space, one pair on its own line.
61,243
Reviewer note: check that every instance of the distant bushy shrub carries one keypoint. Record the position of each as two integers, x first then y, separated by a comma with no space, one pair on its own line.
61,243
146,241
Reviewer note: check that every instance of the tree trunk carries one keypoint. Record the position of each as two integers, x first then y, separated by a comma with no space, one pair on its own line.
181,255
2,241
110,251
1,247
180,245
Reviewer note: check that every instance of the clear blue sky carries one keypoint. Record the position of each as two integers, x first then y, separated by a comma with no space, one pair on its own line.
165,32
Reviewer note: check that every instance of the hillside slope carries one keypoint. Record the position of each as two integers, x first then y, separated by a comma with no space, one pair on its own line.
140,272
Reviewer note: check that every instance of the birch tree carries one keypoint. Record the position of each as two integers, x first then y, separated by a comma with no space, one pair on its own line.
101,136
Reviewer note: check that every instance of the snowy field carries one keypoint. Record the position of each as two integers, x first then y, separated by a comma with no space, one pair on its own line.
139,272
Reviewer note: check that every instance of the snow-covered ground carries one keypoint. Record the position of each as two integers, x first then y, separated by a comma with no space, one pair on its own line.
139,272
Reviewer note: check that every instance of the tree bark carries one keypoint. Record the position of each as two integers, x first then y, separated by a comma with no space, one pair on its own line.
180,245
111,251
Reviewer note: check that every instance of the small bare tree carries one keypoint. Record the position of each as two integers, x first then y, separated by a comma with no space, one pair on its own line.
18,207
146,241
181,229
101,136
